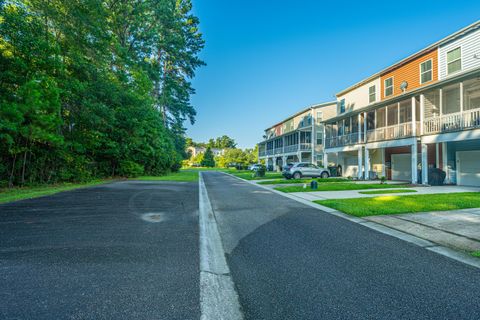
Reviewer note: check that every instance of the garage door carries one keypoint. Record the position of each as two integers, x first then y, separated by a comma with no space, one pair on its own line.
468,168
351,167
401,167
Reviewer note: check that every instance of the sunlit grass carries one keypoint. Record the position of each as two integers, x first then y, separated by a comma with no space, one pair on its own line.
249,175
476,254
387,191
362,207
341,186
306,180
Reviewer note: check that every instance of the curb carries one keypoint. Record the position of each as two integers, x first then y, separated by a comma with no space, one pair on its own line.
428,245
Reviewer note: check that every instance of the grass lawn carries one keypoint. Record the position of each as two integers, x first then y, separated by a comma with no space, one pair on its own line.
14,194
306,180
476,254
248,175
362,207
184,175
387,191
341,186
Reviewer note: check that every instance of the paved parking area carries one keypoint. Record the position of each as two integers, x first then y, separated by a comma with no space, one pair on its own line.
126,250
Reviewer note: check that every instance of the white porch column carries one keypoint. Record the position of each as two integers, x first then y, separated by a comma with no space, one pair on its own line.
422,113
365,130
414,163
384,170
360,128
360,162
414,117
325,160
299,154
437,156
424,164
284,161
444,162
367,164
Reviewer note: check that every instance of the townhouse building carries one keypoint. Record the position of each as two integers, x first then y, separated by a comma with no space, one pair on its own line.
420,113
297,138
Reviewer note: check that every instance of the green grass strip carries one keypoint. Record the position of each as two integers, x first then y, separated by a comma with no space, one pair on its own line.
15,194
306,180
363,207
387,191
476,254
336,187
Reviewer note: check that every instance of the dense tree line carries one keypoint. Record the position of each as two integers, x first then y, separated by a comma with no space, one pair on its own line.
222,142
94,88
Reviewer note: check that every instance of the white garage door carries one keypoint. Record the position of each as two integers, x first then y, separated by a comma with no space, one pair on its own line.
468,168
401,167
351,167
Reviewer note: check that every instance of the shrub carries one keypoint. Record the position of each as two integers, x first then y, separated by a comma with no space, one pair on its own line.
130,169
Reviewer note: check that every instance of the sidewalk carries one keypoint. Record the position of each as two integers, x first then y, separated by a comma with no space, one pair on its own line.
458,229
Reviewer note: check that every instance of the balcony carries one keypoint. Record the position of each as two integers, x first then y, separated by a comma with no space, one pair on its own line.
452,122
262,153
398,131
343,140
278,150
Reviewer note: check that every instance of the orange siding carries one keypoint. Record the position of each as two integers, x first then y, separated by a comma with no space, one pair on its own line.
410,72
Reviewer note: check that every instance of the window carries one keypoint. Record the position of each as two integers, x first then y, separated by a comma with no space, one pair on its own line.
371,94
381,118
471,94
451,99
454,60
392,115
319,138
432,103
319,117
388,87
405,111
342,106
426,71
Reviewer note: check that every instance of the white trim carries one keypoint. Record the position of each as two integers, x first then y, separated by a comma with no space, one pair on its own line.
431,71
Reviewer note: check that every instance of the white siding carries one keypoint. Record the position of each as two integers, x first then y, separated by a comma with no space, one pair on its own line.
470,46
359,98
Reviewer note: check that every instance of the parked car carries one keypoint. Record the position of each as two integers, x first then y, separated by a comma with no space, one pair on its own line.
255,167
304,169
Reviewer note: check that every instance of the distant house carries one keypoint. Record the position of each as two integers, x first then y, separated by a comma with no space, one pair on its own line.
194,151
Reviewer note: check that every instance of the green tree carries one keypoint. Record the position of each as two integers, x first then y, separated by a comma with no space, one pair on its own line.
208,159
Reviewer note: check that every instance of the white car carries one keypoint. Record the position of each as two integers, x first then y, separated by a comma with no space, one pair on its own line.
255,167
298,170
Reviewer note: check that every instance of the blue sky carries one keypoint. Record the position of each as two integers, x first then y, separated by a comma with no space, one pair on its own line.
267,59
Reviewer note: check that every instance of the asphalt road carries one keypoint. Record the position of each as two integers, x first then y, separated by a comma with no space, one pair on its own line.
126,250
291,261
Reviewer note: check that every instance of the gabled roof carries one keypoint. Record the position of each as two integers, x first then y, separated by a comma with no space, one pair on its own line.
461,32
314,106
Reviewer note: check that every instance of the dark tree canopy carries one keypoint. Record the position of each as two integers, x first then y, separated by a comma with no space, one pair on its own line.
94,88
208,158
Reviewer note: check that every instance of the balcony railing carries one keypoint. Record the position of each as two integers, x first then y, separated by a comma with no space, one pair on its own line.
340,141
305,146
292,148
278,150
262,153
453,122
398,131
